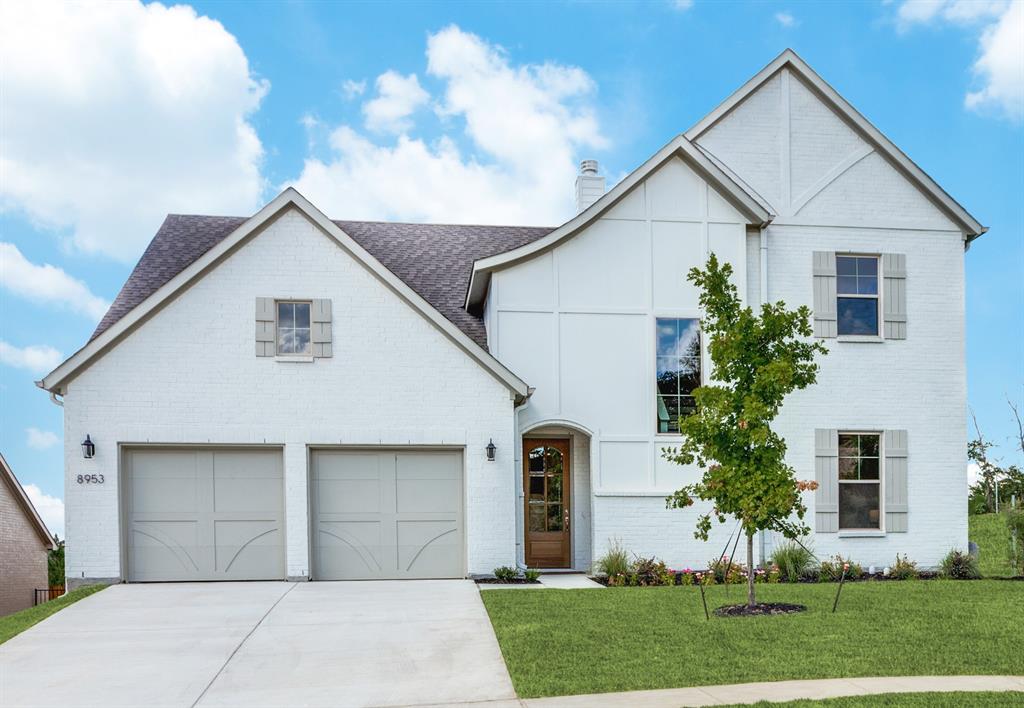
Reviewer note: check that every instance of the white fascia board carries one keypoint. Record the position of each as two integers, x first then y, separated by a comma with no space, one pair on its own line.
289,198
967,223
747,203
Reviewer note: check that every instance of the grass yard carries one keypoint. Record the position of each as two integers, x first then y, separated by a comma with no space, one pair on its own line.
12,625
932,700
558,642
989,531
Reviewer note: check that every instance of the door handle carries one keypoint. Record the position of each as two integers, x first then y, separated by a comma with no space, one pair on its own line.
566,516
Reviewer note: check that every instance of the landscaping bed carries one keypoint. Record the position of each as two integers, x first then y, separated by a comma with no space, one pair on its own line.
952,699
636,638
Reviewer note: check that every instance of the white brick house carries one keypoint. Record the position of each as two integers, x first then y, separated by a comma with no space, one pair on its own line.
285,396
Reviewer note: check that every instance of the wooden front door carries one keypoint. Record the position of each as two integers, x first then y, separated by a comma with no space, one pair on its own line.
547,514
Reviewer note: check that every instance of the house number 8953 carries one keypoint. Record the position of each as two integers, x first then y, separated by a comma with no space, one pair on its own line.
90,479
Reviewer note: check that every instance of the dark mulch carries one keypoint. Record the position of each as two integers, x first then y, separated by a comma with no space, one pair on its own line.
762,608
516,581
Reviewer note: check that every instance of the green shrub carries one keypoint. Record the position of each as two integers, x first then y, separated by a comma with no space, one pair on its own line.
651,571
614,563
904,569
725,572
959,566
531,574
506,574
794,561
1015,523
832,569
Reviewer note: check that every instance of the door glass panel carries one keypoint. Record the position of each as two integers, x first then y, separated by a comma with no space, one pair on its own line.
537,459
554,489
553,462
554,517
536,488
537,517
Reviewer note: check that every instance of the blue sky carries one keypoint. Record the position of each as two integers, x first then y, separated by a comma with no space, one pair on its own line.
117,114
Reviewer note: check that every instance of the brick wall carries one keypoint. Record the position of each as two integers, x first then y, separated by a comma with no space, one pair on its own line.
23,564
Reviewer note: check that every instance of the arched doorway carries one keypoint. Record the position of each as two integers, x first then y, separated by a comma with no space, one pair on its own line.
547,516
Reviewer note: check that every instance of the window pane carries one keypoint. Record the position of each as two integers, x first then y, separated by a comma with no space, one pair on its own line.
847,468
555,490
668,335
858,506
689,338
869,445
848,446
858,315
668,379
302,315
553,461
537,460
867,285
554,517
285,314
846,285
668,414
846,265
286,341
869,468
689,375
302,343
867,266
687,406
537,517
536,488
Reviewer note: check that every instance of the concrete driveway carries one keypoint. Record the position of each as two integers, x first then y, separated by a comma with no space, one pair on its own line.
393,643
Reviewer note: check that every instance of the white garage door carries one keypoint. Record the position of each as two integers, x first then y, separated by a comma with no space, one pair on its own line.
387,514
203,514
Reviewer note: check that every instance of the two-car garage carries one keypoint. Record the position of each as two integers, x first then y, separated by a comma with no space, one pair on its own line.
206,513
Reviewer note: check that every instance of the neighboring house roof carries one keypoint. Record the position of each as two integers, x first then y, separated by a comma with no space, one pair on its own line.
7,474
971,227
421,264
435,260
749,204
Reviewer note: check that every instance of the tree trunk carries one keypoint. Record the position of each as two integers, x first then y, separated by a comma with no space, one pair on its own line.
750,569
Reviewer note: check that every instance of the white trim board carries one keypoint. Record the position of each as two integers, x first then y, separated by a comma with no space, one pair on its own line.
57,380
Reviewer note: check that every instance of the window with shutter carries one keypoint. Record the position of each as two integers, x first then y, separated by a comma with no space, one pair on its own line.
294,328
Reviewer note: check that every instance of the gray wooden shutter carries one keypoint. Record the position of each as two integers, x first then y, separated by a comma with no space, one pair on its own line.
895,474
826,474
894,295
824,294
265,323
321,328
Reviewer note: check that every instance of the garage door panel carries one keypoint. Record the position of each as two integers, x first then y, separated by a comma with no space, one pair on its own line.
387,514
349,549
204,514
429,548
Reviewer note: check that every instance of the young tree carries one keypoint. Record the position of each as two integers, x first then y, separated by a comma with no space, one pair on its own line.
757,360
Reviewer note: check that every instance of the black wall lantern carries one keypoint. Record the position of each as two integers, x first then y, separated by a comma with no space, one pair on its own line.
88,448
490,451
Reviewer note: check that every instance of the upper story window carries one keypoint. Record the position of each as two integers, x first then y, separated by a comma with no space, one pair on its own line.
860,476
857,295
677,370
293,329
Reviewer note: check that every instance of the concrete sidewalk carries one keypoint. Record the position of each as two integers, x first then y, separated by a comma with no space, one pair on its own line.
779,691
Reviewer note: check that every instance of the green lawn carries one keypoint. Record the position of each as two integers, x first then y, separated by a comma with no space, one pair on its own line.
989,531
12,625
559,642
936,700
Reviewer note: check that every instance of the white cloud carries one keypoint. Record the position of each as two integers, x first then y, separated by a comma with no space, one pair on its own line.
999,68
682,5
973,472
40,439
524,126
38,359
51,509
46,284
785,19
351,89
118,113
397,99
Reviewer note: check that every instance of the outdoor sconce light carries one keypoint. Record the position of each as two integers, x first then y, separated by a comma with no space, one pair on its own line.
490,451
88,448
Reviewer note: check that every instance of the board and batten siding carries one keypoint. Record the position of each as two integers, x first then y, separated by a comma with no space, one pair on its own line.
578,323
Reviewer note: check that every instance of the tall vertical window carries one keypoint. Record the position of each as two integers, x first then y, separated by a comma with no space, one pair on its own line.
293,329
859,481
677,370
857,295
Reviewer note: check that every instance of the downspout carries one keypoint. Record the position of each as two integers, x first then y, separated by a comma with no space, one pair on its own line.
763,282
517,477
53,397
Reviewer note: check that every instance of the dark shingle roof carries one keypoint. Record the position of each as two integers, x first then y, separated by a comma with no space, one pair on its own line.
435,260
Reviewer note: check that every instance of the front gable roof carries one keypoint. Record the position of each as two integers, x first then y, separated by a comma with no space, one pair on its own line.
8,478
749,204
788,59
192,246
